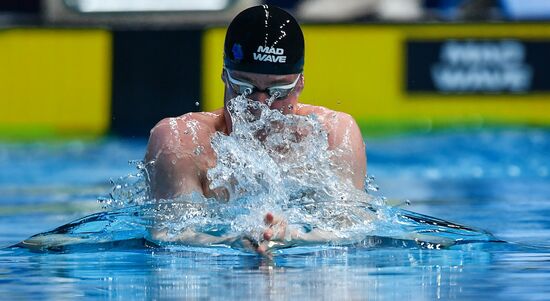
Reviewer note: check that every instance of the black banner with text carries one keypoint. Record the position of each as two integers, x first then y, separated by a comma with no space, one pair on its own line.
489,66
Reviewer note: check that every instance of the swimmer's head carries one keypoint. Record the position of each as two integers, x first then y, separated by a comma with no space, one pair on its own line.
264,39
263,59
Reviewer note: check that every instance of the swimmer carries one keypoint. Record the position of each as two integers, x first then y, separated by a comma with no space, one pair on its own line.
263,60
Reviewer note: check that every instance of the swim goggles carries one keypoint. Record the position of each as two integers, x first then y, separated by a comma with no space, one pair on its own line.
244,88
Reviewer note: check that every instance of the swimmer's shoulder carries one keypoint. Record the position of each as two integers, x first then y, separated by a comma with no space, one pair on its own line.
198,123
307,109
185,132
324,115
340,126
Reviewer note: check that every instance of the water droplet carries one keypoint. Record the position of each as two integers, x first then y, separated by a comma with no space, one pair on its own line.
270,101
197,103
198,150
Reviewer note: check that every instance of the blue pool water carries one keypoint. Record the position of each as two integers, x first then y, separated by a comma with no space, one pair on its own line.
497,180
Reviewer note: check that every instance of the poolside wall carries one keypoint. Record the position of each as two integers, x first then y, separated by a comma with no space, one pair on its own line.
91,82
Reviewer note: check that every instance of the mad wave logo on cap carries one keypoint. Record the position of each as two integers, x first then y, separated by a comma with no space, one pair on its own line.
270,54
237,52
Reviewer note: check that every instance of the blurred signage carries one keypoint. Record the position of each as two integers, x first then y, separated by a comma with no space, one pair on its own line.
477,66
94,6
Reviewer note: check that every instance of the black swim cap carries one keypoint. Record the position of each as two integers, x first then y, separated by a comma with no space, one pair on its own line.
264,39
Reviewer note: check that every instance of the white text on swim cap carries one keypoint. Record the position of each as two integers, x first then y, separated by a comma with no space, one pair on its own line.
270,54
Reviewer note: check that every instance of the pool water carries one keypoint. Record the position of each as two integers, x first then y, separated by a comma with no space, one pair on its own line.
492,179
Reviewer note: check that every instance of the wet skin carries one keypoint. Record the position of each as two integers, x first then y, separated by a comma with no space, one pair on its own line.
182,154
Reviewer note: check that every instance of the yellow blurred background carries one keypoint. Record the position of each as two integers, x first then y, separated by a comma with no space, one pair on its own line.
83,68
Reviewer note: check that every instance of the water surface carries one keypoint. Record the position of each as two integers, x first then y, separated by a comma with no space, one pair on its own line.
494,179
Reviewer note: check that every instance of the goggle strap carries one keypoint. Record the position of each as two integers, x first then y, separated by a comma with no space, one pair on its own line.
237,82
286,87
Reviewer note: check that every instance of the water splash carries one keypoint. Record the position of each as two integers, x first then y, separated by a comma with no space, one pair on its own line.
270,162
282,164
130,190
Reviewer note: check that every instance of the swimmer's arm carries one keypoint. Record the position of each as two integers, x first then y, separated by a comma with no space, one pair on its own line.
192,238
169,159
351,159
